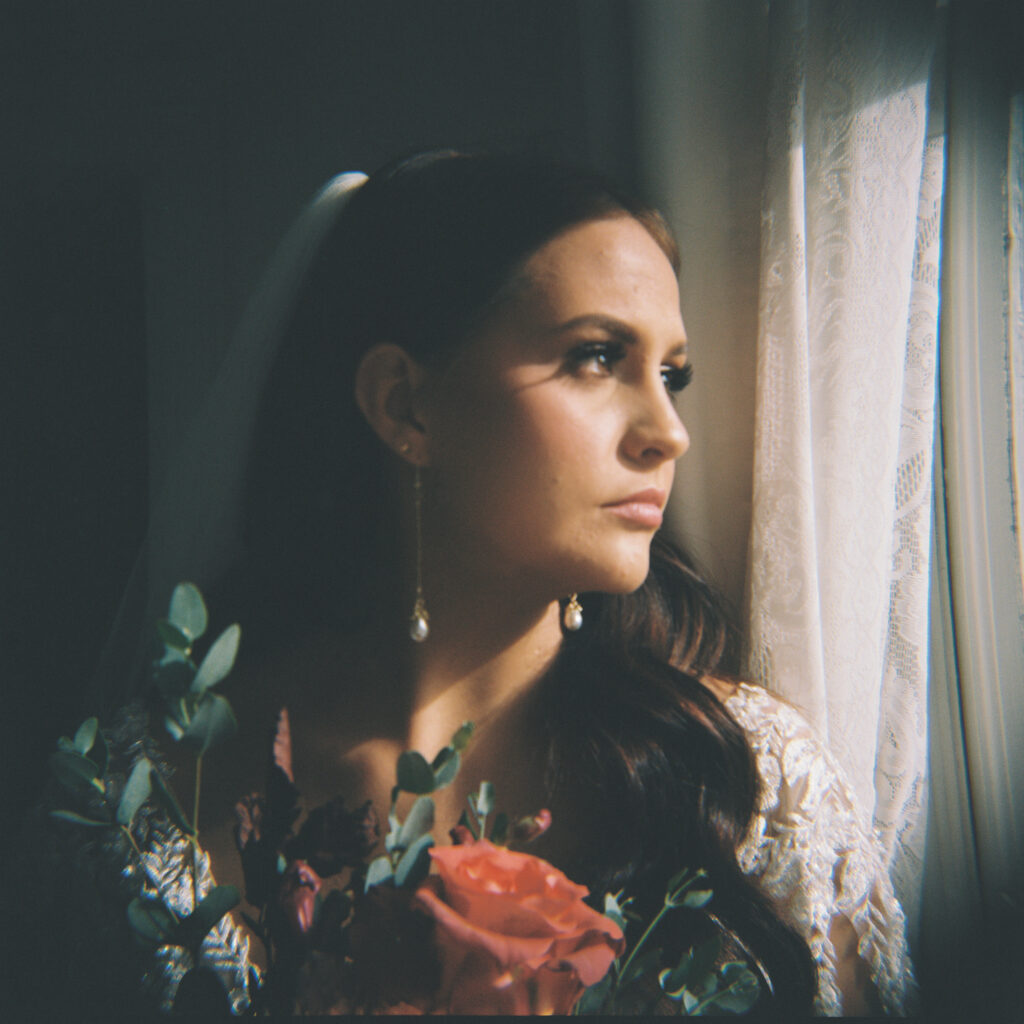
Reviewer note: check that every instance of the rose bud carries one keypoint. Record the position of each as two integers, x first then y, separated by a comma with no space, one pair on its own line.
296,899
460,834
529,828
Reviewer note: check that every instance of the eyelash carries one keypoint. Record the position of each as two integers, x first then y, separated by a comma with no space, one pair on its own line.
607,354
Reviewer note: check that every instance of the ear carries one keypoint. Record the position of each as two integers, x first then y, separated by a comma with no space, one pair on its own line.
387,390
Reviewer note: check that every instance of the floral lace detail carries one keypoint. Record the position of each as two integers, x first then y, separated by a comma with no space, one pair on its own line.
812,850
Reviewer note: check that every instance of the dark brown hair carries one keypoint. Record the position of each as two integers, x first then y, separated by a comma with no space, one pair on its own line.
417,258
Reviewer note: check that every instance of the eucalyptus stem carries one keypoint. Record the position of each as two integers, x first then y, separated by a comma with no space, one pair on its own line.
194,838
195,796
640,942
131,839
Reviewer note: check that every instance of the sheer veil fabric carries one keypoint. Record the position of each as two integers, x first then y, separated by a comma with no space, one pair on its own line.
194,521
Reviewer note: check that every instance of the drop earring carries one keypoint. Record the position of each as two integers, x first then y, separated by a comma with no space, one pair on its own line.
572,618
419,621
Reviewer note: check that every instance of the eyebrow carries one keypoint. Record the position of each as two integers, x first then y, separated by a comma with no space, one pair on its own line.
612,325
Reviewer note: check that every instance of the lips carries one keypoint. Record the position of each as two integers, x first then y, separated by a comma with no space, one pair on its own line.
642,509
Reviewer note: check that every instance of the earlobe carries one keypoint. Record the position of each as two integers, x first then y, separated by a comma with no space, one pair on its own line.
386,388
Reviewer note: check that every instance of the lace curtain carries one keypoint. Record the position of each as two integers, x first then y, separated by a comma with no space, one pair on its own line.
840,534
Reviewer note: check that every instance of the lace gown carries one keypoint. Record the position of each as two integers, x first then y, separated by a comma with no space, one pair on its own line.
812,850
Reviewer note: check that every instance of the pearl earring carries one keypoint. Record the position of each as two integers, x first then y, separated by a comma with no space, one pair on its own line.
419,621
573,615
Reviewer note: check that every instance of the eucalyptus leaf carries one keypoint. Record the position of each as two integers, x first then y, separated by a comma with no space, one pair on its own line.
167,800
219,659
465,821
613,911
188,610
690,1001
445,767
678,881
418,822
640,966
740,988
86,736
378,872
697,898
414,774
414,864
212,723
99,754
73,771
212,907
485,799
68,744
592,1000
78,819
173,728
136,792
499,830
173,679
394,825
173,636
705,954
460,739
151,920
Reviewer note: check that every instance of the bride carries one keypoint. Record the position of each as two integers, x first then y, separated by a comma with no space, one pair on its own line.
448,510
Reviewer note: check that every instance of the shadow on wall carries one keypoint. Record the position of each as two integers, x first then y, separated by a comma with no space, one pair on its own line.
155,154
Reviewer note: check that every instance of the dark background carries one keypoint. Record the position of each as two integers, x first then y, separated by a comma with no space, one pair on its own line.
154,153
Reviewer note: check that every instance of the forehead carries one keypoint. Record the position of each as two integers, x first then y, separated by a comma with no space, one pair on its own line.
611,266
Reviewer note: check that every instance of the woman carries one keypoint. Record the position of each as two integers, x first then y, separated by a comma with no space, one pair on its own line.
460,464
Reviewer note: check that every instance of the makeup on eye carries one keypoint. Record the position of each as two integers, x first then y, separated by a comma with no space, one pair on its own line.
599,357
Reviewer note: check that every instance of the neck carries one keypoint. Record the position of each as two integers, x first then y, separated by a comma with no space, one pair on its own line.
480,659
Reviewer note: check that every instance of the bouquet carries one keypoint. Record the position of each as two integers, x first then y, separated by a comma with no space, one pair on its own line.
354,925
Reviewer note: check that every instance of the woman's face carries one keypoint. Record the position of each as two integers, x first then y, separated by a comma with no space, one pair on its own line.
553,435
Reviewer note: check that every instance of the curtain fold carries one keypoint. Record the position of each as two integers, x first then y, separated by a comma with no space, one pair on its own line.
840,534
974,902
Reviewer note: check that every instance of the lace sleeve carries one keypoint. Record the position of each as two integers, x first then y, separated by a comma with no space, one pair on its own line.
812,850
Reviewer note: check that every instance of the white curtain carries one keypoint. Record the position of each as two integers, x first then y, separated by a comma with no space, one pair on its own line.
974,883
840,534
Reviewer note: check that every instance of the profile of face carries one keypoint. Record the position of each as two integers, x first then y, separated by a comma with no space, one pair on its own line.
551,438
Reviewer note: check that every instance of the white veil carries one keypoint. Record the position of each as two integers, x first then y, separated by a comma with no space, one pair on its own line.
194,521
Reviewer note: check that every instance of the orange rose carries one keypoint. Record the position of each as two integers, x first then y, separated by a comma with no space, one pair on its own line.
513,933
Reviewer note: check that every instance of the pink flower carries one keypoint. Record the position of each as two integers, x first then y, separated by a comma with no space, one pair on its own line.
513,933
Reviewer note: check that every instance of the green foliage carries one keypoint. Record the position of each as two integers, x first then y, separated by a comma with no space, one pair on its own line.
697,984
194,716
219,660
212,722
414,774
414,864
188,610
167,800
378,872
191,931
136,792
151,921
75,772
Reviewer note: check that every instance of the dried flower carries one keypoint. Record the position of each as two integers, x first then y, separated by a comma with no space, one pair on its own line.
333,838
296,898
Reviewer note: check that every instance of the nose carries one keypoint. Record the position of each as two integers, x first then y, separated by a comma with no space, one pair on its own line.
655,433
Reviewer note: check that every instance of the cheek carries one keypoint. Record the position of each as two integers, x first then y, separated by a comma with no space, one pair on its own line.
526,465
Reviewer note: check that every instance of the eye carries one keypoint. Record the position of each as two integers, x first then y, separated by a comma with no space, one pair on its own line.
595,357
677,377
